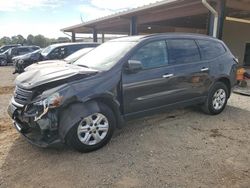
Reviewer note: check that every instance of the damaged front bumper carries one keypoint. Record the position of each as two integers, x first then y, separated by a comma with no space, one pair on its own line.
42,131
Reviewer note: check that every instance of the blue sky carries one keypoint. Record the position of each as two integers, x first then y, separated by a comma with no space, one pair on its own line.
47,17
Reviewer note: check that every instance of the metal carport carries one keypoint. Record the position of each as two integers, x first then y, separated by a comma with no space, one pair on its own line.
167,16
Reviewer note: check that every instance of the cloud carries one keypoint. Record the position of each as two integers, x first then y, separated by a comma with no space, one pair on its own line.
99,8
90,12
51,30
120,5
14,5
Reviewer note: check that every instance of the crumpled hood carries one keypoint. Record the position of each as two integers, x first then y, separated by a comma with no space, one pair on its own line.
44,64
37,77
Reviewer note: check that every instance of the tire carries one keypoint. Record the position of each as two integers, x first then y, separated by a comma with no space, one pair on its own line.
215,105
83,131
3,62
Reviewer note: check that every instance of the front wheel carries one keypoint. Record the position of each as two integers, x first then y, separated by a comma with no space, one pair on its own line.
93,131
3,62
217,99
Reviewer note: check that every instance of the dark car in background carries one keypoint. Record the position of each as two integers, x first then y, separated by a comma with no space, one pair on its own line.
6,47
49,63
7,56
81,104
52,52
3,58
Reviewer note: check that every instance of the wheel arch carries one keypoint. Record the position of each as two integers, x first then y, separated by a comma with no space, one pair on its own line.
115,107
227,82
75,111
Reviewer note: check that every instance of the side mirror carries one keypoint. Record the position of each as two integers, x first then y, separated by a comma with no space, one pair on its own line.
133,66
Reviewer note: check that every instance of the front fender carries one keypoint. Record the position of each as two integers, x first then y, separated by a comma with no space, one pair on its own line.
73,114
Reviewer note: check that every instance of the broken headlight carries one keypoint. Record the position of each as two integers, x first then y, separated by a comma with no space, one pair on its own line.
52,101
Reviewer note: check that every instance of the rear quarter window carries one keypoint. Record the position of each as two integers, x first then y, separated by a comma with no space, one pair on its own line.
182,51
73,48
210,49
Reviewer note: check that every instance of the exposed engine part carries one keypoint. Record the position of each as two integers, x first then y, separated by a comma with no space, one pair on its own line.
48,123
45,111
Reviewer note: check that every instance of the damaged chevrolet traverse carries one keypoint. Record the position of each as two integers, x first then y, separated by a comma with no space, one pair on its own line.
81,104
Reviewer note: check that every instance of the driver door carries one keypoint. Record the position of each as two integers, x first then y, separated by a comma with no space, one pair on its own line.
152,86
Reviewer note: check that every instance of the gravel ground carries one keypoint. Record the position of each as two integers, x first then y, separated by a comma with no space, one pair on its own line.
180,148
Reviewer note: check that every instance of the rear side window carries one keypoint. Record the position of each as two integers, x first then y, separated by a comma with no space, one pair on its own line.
73,48
34,48
210,49
183,51
23,50
152,55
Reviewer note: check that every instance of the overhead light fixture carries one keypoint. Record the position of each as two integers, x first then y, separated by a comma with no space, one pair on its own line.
149,28
238,20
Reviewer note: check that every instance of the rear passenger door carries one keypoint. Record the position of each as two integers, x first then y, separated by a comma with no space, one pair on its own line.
190,72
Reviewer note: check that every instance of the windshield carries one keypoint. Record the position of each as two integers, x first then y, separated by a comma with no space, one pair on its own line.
4,48
47,50
106,55
73,57
6,51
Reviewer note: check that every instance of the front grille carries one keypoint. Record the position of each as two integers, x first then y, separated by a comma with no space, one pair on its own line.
22,96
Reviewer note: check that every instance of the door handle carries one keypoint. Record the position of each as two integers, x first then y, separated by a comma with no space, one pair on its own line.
168,75
204,69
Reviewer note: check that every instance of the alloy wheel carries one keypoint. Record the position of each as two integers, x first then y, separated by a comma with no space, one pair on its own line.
93,129
219,99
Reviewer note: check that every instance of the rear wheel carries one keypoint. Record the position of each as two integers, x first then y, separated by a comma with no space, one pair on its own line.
217,99
93,131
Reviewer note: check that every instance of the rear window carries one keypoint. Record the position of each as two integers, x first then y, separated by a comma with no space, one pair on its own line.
210,49
183,51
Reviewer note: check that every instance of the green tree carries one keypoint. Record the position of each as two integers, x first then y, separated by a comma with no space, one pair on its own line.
63,39
19,39
5,40
40,40
14,40
30,39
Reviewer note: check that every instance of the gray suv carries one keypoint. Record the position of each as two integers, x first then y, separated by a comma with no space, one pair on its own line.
81,104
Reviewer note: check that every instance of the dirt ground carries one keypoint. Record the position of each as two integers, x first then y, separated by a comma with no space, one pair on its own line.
180,148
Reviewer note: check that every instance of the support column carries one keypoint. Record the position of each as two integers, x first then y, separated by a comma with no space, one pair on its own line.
94,35
73,37
103,37
133,26
211,21
221,8
210,24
